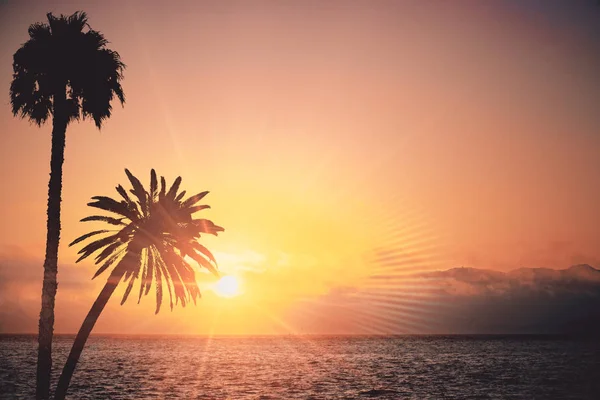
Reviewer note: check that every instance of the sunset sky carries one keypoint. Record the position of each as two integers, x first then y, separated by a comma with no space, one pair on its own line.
461,133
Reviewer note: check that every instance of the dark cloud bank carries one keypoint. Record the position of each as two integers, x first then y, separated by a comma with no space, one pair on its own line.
525,300
463,301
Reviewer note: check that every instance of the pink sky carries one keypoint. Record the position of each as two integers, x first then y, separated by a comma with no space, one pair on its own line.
471,131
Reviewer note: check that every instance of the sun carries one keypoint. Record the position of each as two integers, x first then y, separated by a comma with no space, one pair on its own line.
227,286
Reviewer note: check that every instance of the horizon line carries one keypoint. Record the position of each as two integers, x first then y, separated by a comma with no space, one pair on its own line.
258,335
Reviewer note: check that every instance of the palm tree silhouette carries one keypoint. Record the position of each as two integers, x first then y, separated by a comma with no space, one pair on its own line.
155,233
63,70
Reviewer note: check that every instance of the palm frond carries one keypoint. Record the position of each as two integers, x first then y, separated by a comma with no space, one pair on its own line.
111,205
87,235
151,270
175,278
109,262
188,279
133,269
153,185
203,263
180,196
157,233
61,58
108,251
163,188
194,199
108,220
77,21
138,191
204,251
168,281
194,209
94,246
159,289
121,190
206,226
174,188
144,270
39,31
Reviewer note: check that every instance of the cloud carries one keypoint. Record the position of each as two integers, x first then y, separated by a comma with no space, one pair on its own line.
245,261
579,279
458,300
524,301
20,289
19,268
461,301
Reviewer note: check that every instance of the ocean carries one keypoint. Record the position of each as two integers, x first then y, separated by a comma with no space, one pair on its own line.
314,367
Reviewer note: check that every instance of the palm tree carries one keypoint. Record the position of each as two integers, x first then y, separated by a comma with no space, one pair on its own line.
63,70
154,233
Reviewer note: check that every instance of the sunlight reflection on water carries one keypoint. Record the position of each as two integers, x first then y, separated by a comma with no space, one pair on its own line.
314,368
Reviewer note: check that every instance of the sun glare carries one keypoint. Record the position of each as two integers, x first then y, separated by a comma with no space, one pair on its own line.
227,286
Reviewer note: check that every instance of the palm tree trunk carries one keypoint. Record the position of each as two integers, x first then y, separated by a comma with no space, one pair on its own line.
49,286
84,332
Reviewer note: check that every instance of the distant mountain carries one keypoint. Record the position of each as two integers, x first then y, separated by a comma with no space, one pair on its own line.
462,301
582,275
469,274
576,272
583,272
525,300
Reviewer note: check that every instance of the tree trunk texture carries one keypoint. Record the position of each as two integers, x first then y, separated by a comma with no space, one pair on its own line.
85,330
49,286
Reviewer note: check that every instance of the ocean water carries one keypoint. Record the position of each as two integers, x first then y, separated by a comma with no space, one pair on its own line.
309,367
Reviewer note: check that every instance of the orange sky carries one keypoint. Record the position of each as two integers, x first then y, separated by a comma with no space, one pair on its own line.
466,133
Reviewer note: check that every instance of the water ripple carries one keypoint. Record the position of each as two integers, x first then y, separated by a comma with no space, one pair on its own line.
124,368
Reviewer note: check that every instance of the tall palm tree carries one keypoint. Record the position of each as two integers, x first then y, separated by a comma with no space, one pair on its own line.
154,233
63,70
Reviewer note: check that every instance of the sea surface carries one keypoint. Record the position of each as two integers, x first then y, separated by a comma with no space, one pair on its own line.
311,367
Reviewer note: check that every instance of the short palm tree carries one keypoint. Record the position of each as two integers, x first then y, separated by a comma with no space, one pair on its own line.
155,232
63,70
